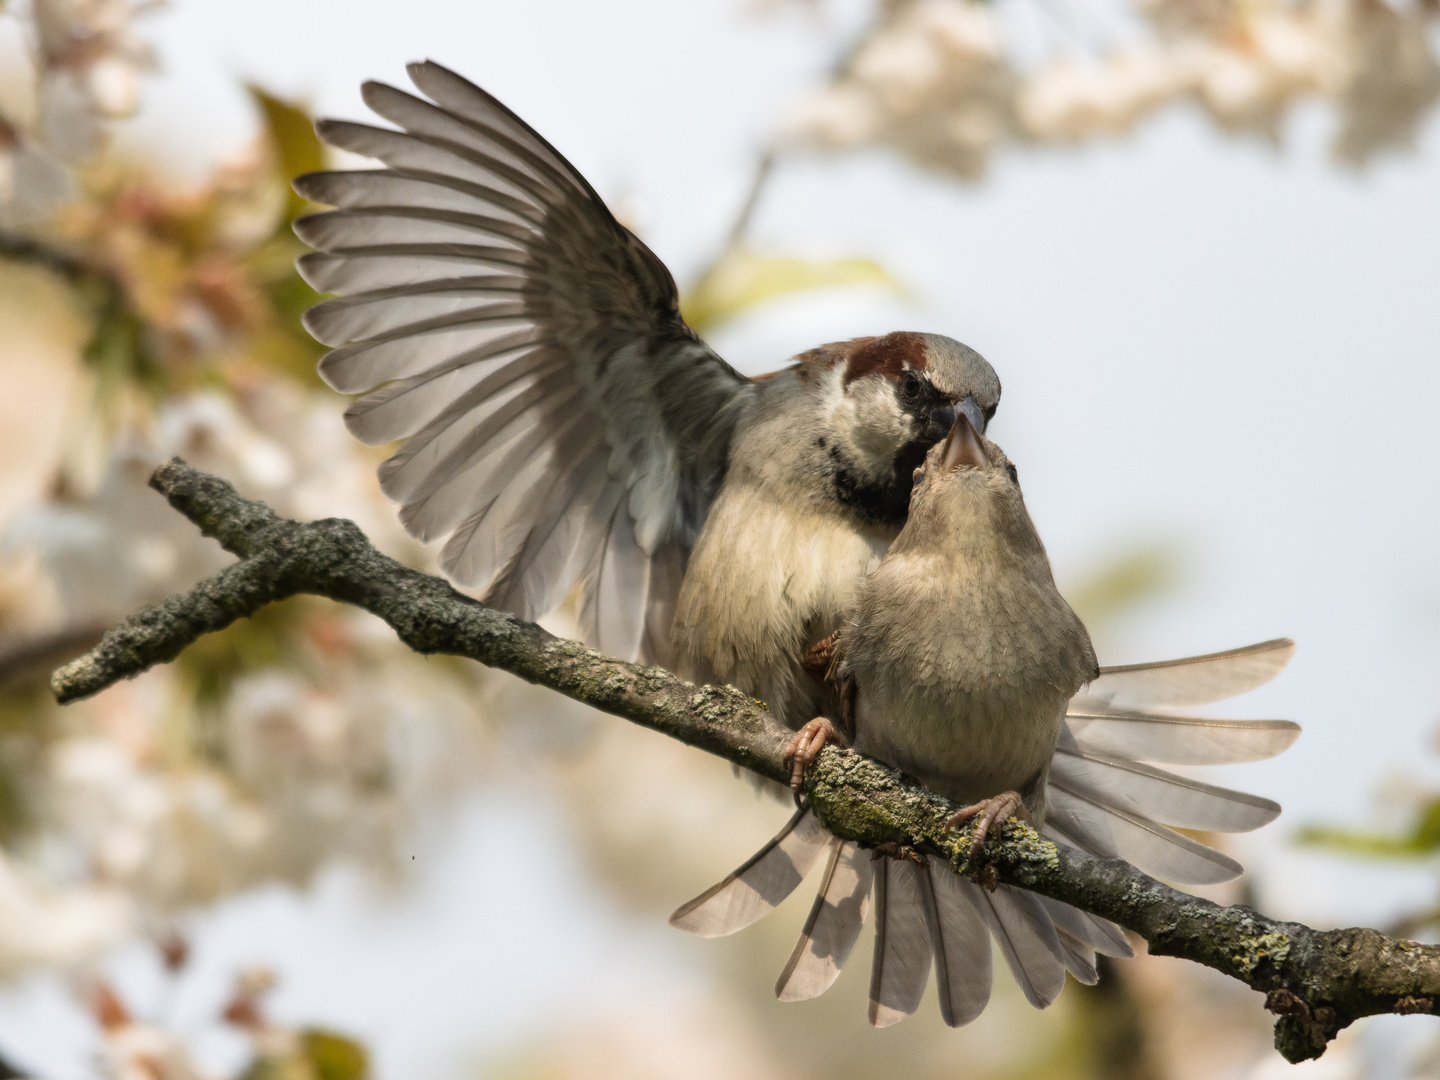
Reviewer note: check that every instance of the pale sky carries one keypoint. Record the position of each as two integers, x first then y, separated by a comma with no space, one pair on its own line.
1202,341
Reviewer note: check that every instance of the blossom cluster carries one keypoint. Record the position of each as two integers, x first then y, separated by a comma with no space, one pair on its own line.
71,66
942,82
303,735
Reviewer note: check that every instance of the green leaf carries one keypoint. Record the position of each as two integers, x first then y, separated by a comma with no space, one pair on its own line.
1129,578
291,131
334,1057
1423,838
740,279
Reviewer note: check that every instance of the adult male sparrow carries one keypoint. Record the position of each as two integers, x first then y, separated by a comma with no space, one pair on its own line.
563,428
962,665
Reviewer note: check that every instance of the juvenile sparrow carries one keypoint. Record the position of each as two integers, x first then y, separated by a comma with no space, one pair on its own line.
561,426
960,662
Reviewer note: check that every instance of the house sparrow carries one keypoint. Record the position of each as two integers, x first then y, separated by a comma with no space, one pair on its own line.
562,426
963,666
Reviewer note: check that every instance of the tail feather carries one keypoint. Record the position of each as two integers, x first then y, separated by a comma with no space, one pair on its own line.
1113,833
1148,792
760,884
1178,740
1194,680
1079,958
1100,935
902,942
1027,940
963,969
833,926
1082,935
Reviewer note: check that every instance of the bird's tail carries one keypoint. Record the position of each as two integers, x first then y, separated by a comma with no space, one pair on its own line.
922,912
1105,794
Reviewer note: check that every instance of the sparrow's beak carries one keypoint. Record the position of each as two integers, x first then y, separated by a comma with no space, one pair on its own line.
962,446
973,414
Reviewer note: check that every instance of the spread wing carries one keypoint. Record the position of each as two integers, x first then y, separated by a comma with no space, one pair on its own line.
560,424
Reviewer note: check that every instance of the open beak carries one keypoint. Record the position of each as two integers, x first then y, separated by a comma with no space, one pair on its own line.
962,446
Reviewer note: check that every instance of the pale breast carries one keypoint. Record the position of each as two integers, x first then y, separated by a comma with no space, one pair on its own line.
962,673
965,748
767,579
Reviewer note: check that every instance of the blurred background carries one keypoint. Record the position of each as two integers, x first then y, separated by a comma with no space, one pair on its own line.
1199,239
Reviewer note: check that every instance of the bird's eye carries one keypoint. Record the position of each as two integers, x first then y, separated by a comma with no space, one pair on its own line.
916,477
1014,474
910,386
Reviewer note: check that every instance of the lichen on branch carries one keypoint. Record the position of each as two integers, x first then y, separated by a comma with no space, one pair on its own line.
1316,981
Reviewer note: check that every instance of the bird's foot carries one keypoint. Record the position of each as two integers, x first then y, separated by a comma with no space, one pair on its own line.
804,748
1002,807
820,656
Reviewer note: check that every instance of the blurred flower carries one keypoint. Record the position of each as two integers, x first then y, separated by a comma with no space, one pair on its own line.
1269,59
303,735
92,61
285,1053
931,82
67,68
1071,101
45,924
1394,81
138,1051
31,182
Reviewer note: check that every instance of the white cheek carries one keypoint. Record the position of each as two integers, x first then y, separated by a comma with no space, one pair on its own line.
867,422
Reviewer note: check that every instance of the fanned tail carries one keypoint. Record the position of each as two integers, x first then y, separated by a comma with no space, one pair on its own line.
921,912
1105,794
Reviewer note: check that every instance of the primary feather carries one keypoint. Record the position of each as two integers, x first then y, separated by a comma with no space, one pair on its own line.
516,336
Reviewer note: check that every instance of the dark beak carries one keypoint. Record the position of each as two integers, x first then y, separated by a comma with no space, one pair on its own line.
974,415
941,420
963,447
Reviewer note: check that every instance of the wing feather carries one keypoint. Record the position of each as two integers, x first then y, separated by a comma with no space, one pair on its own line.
351,189
406,407
541,571
404,310
491,309
333,230
369,267
620,595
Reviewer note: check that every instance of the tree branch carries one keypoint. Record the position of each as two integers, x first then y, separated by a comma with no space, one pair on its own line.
1317,981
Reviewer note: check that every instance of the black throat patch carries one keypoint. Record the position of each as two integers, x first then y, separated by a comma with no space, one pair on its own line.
886,502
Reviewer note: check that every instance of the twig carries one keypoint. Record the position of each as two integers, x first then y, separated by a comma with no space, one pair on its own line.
1318,981
763,170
